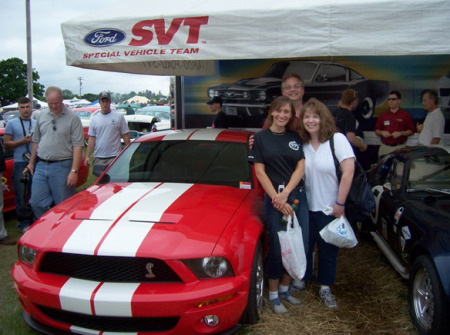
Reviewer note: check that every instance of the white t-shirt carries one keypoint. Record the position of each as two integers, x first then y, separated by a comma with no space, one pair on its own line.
433,126
321,183
107,130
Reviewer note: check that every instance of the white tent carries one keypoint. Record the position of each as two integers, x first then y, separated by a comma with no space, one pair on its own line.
185,37
137,99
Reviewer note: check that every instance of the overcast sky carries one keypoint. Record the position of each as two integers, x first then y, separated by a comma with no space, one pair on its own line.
48,47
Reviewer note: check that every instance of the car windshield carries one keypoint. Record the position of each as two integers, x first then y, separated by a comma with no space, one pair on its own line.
162,115
203,162
84,114
430,172
307,69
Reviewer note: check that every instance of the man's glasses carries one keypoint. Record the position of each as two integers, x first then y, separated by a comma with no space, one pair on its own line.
54,124
392,99
289,87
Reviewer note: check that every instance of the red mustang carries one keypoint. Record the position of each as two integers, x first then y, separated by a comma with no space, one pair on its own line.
167,241
8,192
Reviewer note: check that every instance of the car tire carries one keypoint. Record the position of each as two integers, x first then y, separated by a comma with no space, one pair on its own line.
428,306
367,107
253,311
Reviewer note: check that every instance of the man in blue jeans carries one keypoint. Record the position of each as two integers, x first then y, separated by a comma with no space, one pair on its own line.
58,142
18,133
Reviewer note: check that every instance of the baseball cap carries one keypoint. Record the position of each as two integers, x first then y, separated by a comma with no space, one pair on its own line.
104,95
214,100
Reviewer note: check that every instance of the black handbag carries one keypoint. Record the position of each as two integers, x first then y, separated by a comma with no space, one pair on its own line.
360,201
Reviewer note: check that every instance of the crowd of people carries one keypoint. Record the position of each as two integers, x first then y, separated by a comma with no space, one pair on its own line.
293,159
49,151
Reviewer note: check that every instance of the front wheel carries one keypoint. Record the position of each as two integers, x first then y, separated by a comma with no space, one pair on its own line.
428,306
253,311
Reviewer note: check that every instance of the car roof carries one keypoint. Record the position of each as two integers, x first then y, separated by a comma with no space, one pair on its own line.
204,134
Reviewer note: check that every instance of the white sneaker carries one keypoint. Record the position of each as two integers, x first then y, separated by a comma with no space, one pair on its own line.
278,307
289,297
298,285
328,298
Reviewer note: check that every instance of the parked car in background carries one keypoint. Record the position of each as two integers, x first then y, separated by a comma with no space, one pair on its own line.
411,225
7,116
167,241
150,119
8,191
85,114
246,101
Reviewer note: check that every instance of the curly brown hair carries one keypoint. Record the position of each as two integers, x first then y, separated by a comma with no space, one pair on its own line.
327,126
277,103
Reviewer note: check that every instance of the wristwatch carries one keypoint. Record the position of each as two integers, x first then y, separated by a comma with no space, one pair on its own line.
73,170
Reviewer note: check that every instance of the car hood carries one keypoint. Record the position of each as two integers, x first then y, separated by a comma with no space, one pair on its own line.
164,220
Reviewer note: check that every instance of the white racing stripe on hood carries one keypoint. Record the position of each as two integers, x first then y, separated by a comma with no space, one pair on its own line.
87,236
129,232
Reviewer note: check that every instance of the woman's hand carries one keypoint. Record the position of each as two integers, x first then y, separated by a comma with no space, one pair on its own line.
279,200
338,211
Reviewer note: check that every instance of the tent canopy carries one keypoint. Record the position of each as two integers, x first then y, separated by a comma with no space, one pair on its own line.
160,37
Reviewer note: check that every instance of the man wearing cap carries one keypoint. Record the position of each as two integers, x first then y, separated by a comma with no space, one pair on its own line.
58,142
105,131
215,105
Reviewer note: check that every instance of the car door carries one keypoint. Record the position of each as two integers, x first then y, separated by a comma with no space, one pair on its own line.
390,205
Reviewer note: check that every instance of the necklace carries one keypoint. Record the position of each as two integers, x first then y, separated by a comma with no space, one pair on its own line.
278,134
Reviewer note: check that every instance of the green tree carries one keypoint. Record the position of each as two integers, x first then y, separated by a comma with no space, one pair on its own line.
13,81
67,94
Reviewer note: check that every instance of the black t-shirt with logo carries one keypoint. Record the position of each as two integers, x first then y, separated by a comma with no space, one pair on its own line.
280,154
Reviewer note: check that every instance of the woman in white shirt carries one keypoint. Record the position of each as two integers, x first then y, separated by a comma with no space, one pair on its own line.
323,190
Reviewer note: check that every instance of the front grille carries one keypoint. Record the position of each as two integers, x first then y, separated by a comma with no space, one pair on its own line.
111,324
108,268
234,94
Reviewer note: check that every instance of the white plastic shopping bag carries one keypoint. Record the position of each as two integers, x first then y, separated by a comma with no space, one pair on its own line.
292,249
339,233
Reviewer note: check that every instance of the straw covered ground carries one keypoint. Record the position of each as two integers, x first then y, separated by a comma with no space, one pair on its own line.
371,297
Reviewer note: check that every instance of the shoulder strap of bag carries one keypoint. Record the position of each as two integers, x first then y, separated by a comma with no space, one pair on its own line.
336,162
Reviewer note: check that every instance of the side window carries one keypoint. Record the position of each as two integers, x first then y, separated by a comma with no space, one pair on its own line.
396,175
332,73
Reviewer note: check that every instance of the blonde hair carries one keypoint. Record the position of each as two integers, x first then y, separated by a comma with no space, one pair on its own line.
327,126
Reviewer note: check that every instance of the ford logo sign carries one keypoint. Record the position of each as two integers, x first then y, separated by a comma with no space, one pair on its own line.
104,37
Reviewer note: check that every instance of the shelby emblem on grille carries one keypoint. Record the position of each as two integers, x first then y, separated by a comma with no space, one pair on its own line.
150,273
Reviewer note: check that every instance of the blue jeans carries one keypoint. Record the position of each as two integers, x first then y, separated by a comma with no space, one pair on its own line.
274,266
327,253
50,185
25,220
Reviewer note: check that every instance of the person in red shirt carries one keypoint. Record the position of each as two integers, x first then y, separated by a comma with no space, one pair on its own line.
394,125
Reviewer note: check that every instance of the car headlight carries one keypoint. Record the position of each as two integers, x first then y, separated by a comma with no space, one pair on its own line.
262,95
210,267
27,255
212,93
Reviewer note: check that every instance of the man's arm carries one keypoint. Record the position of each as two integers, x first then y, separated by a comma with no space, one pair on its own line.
356,141
10,144
435,140
90,148
126,138
72,178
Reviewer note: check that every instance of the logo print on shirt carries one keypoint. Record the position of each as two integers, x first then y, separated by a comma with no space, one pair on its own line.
294,145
